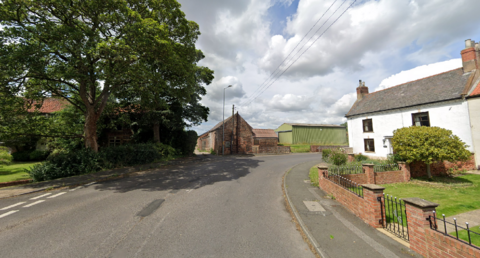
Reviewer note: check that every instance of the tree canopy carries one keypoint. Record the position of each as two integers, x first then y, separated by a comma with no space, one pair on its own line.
429,144
86,51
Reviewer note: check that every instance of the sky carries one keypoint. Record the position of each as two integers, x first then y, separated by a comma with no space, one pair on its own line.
300,60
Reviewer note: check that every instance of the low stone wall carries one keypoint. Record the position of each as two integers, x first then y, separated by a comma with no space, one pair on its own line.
419,169
390,177
271,150
439,245
357,178
319,148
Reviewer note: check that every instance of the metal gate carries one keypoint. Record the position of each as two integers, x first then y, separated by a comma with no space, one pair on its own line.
394,216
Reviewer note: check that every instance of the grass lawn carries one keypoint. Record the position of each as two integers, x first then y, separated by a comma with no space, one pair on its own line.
454,195
463,234
15,171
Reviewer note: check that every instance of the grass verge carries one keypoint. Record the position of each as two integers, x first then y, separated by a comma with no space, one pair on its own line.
15,171
463,234
297,148
454,195
314,175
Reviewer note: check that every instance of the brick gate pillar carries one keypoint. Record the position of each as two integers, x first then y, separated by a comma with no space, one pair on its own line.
372,210
368,170
322,170
418,211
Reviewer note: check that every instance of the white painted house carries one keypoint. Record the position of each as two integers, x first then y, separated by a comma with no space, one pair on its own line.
440,100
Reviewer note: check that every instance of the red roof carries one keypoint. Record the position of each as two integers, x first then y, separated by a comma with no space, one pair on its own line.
476,91
49,105
264,133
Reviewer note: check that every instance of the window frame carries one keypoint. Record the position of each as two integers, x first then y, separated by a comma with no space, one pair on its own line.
371,125
365,145
420,114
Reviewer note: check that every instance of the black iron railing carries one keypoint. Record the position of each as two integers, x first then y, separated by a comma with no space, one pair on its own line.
345,170
394,216
386,167
345,183
463,234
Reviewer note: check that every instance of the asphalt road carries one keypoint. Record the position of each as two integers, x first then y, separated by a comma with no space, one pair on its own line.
223,207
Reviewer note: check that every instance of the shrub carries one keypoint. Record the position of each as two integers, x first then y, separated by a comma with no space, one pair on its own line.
129,155
5,157
21,156
212,151
338,158
165,150
326,153
360,158
394,158
37,155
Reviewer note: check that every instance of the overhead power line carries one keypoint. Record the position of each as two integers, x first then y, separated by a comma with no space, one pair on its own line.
268,85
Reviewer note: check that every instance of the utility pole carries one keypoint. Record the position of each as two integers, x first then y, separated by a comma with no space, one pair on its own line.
233,129
223,127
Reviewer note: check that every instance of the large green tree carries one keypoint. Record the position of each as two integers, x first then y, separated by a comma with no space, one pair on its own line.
429,144
85,51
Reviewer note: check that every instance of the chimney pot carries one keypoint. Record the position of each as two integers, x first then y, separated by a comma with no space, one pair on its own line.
468,43
361,90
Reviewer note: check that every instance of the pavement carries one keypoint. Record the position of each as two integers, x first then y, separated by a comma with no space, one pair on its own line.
332,230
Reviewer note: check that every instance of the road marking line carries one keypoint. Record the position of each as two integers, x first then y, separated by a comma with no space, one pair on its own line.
76,188
35,203
8,213
89,184
53,196
11,206
38,197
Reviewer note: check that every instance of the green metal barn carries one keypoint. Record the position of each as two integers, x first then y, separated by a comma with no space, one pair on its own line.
289,133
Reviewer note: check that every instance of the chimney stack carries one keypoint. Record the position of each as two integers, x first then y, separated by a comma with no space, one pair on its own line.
362,90
470,56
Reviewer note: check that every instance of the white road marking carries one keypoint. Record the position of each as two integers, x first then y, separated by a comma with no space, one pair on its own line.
76,188
38,197
89,184
8,213
35,203
11,206
53,196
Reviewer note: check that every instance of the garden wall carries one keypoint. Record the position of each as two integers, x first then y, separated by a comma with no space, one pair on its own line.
319,148
419,169
387,177
271,150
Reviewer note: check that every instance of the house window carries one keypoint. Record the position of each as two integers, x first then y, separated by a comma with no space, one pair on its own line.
114,141
421,119
367,126
256,142
369,145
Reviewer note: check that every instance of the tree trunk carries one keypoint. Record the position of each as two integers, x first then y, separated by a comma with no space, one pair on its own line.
91,130
156,132
428,172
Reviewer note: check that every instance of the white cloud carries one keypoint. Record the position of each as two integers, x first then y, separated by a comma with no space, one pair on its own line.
372,41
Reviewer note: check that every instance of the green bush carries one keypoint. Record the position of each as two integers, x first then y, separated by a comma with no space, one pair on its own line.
338,158
129,155
5,157
184,142
326,153
21,156
360,158
70,163
212,151
165,150
37,155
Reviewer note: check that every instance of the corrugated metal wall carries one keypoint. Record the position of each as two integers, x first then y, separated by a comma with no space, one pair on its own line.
284,127
285,137
319,135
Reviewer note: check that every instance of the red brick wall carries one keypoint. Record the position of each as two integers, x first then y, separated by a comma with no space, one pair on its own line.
351,201
419,169
389,177
439,245
468,54
276,149
266,142
357,178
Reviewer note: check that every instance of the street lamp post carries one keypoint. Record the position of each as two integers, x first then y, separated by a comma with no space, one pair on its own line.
223,129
